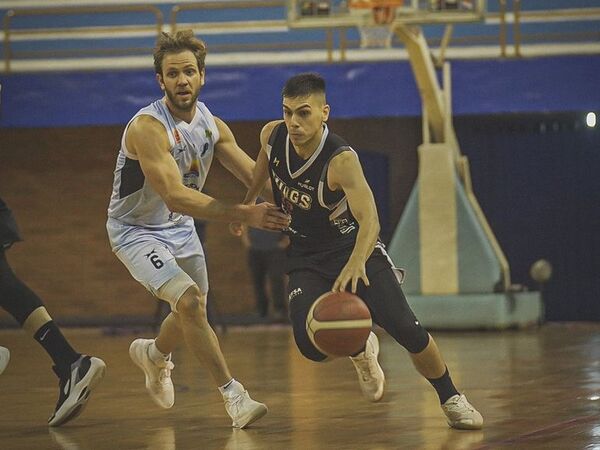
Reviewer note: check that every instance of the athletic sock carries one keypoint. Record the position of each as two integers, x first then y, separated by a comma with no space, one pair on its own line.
155,354
443,386
50,337
223,388
359,353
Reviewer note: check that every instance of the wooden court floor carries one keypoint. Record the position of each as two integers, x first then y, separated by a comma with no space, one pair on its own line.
537,389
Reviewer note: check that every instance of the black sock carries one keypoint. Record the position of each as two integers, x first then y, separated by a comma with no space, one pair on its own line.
443,386
55,344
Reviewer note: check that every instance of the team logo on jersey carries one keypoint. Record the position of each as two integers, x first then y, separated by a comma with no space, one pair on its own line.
191,178
295,293
308,187
176,136
204,149
208,134
294,196
276,162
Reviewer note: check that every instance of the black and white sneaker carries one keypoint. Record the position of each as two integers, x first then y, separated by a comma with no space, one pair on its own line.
75,388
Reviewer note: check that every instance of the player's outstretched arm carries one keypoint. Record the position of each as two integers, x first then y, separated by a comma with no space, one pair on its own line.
261,169
147,139
231,156
236,160
260,174
345,173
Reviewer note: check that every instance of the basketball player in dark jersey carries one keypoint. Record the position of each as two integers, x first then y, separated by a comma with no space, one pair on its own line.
77,374
318,180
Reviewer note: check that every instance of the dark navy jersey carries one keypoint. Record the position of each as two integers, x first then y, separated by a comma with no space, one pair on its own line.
9,233
321,218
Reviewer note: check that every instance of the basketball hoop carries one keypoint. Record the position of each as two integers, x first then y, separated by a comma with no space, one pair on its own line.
377,32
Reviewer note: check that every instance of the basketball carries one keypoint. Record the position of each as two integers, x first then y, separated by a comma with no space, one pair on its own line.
338,324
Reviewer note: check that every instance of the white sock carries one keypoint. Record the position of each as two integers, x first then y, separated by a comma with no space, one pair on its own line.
226,386
155,354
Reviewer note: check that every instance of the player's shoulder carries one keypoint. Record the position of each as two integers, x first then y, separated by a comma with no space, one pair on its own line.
267,130
144,128
344,159
336,141
145,123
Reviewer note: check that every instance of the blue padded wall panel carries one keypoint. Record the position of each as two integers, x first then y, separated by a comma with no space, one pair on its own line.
382,89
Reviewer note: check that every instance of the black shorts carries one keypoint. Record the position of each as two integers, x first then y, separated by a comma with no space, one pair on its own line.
384,298
331,262
9,232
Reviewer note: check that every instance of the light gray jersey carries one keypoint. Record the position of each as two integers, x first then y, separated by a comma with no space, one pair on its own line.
133,201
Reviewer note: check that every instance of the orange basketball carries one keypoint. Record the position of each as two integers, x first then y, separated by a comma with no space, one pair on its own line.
338,324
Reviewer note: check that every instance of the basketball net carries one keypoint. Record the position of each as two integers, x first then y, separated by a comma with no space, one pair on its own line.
378,30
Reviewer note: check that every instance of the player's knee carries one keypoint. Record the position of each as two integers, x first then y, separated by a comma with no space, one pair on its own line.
16,298
192,303
413,336
310,352
178,288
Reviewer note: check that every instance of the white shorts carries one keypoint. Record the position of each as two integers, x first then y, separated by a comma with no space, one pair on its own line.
154,256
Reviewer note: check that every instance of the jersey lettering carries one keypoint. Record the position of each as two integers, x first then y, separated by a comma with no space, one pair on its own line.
300,199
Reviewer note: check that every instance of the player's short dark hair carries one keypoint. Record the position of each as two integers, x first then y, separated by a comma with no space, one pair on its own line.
176,43
303,85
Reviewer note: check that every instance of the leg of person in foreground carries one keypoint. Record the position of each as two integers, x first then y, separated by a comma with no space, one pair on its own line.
78,374
189,321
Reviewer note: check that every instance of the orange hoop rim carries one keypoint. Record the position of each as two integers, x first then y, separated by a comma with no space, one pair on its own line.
372,4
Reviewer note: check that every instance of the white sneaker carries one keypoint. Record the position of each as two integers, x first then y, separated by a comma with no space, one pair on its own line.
158,375
370,373
4,358
461,414
241,408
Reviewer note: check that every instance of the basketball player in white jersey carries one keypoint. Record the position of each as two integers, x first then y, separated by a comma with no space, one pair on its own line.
166,153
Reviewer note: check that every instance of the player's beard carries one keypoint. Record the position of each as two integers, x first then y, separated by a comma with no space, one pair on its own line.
182,105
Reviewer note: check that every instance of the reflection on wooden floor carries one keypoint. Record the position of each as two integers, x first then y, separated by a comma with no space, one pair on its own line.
537,389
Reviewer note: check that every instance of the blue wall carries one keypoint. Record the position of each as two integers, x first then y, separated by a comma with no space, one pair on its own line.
537,179
384,89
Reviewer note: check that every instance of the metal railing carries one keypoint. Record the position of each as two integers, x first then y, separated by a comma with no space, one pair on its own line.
504,18
518,16
61,11
216,5
242,26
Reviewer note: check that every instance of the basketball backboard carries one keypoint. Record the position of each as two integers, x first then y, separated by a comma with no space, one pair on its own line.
350,13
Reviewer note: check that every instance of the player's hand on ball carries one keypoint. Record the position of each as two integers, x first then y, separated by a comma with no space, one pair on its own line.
351,273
